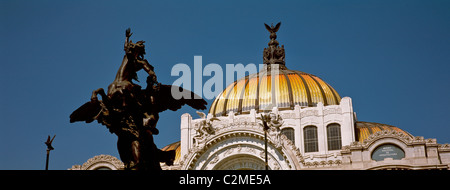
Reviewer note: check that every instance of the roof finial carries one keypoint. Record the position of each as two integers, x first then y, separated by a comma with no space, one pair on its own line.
273,34
273,54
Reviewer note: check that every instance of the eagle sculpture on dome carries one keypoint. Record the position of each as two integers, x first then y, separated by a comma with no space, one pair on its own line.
273,29
131,112
273,54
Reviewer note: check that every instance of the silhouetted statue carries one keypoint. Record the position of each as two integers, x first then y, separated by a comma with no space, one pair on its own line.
274,54
132,113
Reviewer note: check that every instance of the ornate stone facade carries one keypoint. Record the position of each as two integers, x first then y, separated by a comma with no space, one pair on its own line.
419,153
100,162
236,142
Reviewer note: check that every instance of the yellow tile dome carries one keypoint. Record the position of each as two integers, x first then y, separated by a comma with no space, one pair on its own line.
262,92
174,146
364,129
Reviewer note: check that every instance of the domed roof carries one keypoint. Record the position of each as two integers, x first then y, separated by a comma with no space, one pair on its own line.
283,88
364,129
262,91
174,146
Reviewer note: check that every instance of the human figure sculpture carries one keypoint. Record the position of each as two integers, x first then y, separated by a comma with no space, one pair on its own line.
132,113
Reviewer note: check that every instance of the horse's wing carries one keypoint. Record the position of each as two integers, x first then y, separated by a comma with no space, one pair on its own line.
165,99
87,112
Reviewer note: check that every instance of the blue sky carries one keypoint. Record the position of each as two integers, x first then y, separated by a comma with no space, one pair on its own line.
391,57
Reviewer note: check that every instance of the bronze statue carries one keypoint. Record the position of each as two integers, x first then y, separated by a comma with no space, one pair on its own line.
273,54
49,148
132,113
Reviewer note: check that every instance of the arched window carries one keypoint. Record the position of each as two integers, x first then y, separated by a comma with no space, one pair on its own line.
334,136
289,132
310,137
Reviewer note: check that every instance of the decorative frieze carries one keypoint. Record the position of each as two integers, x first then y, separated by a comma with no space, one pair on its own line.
288,115
444,147
102,160
308,113
250,132
332,111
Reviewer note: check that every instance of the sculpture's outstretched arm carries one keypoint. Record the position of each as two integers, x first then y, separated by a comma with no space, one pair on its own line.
127,38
